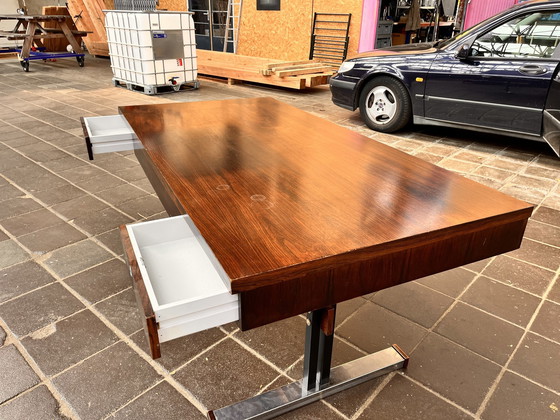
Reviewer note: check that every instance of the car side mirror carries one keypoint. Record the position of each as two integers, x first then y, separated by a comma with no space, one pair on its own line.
463,52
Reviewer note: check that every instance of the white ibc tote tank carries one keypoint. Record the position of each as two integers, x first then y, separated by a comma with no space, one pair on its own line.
152,49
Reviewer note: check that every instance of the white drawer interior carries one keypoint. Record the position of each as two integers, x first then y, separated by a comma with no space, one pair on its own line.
108,128
187,287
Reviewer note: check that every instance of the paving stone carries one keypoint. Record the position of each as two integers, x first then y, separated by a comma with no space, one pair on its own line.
554,294
134,173
547,215
62,344
10,159
33,178
225,374
163,402
401,399
478,266
63,163
547,322
101,281
176,353
76,257
106,381
518,399
543,232
77,206
96,222
112,240
313,411
2,336
16,375
415,302
38,309
16,206
22,278
100,183
384,329
539,254
31,222
122,310
81,173
537,359
452,371
347,308
51,238
115,162
42,152
121,193
141,207
451,282
504,301
59,195
8,191
519,274
3,236
11,253
482,333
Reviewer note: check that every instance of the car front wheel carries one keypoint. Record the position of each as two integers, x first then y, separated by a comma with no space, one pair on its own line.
385,105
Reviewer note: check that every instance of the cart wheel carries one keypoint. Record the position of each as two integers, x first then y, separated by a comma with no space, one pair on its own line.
25,65
81,61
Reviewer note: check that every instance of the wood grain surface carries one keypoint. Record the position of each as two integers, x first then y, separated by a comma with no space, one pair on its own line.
291,203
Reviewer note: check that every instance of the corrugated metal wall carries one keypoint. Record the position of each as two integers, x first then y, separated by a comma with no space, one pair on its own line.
478,10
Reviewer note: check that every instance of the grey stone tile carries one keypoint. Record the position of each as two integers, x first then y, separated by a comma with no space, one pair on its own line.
39,308
518,399
33,178
16,375
280,342
240,375
543,232
42,152
537,359
547,322
401,399
554,293
115,163
374,328
142,207
347,308
101,281
16,206
106,381
95,222
81,173
540,254
547,215
10,159
11,253
415,302
22,278
122,310
100,183
3,236
504,301
112,240
134,173
482,333
2,336
51,238
77,206
76,257
452,371
121,193
176,353
31,222
60,345
8,191
519,274
451,282
163,402
63,163
59,195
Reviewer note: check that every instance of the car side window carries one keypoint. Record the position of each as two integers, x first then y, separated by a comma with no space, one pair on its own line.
533,35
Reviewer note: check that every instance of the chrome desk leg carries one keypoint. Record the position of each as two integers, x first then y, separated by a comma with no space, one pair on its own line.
319,381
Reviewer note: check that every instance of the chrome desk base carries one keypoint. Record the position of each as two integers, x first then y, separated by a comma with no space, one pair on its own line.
300,393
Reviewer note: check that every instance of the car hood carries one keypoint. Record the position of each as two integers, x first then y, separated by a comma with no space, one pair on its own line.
412,49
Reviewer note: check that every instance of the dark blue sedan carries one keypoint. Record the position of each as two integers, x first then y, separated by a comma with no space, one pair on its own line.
500,76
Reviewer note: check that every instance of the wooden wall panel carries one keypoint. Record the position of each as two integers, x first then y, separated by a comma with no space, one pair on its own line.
175,5
286,34
281,35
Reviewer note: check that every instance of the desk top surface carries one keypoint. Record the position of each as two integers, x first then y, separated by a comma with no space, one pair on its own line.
276,191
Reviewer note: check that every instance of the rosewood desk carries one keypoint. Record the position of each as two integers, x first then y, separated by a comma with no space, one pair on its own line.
299,214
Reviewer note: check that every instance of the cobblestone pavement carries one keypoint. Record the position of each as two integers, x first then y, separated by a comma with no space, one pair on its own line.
484,339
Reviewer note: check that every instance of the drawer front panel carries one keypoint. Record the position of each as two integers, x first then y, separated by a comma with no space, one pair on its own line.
108,134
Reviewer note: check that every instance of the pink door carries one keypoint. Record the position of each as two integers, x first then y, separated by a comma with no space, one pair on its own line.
478,10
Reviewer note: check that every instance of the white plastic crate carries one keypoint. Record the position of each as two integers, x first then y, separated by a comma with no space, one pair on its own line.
152,49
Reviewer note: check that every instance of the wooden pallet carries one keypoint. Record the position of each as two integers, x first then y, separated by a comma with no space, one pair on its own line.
234,67
155,89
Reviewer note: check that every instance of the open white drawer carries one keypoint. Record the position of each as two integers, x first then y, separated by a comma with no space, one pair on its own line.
107,134
178,281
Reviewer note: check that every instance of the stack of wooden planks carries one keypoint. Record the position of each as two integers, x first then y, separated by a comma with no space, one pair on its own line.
234,67
89,16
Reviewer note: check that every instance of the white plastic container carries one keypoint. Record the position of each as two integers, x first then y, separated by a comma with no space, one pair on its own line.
152,49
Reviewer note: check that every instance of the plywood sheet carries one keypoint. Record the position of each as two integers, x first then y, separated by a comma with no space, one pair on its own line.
174,5
286,34
91,19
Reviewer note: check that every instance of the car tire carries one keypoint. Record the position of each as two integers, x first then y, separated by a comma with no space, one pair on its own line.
385,104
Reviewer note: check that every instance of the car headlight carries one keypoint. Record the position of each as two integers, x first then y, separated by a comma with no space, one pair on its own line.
346,66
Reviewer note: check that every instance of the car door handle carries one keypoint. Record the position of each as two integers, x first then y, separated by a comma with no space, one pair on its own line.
532,69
